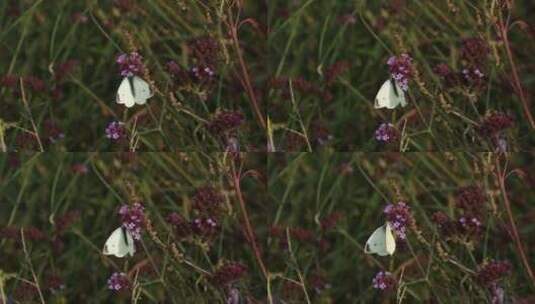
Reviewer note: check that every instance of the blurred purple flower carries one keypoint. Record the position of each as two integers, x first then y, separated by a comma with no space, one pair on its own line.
475,50
470,225
233,296
401,70
228,273
495,123
225,121
473,77
118,281
384,281
115,130
386,133
399,216
205,227
493,271
130,64
133,219
34,83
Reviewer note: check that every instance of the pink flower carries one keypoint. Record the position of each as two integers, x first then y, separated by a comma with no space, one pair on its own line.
399,216
133,218
384,281
401,70
118,281
115,130
130,64
228,273
386,133
493,271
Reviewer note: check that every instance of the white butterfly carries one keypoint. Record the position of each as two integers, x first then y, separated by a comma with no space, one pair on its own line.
382,241
120,243
133,90
390,95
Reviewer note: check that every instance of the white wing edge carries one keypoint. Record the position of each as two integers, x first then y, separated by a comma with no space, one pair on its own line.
390,239
131,246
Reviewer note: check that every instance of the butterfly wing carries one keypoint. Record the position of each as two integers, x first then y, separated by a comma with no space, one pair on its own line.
131,247
116,244
125,93
390,240
376,243
141,90
398,94
390,95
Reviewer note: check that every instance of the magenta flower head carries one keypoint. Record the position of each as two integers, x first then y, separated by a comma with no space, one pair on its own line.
205,227
130,64
115,131
399,216
495,123
229,273
401,70
386,133
470,225
118,281
133,218
384,281
225,121
493,271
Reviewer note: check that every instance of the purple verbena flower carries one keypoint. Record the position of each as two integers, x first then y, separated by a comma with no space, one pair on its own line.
130,64
401,70
384,280
493,271
118,281
133,218
386,133
205,227
115,130
470,225
399,216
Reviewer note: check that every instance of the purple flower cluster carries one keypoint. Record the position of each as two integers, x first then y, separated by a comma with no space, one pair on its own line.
474,50
202,73
133,218
130,64
115,130
386,133
495,123
401,70
493,271
205,226
471,199
473,77
207,200
118,281
228,273
384,281
399,216
225,121
470,225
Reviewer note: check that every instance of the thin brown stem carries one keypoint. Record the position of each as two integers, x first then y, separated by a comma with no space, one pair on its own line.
517,84
516,236
245,77
247,223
